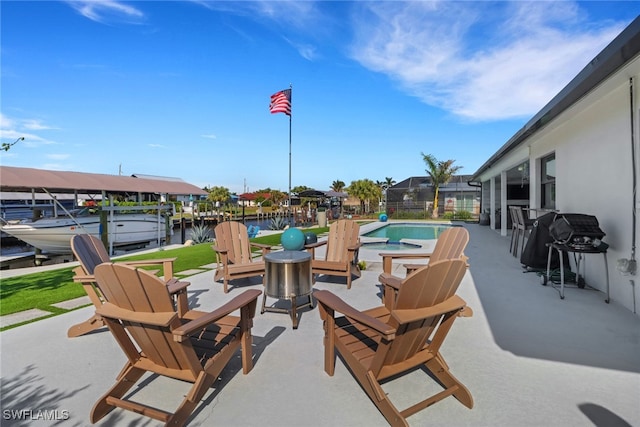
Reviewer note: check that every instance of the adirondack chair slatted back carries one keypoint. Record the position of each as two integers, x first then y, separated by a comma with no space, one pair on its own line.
342,235
422,289
451,244
89,250
141,292
234,237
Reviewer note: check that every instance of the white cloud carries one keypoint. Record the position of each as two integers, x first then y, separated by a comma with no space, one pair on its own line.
6,122
156,145
481,66
12,129
107,10
35,124
301,17
307,51
209,136
58,156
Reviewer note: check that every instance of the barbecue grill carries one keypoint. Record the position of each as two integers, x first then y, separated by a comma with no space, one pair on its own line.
577,231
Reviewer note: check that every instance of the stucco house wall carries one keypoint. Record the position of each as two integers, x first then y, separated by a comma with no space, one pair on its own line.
592,142
593,176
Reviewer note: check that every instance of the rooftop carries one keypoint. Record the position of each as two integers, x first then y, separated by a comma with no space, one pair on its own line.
15,179
528,358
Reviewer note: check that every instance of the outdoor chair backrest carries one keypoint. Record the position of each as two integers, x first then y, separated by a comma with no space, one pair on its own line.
514,216
253,231
89,251
234,237
450,244
343,234
522,222
145,295
421,290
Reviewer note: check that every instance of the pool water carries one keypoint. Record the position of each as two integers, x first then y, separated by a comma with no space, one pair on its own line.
389,246
396,232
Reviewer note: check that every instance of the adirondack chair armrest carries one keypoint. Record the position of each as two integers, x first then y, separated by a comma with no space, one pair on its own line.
219,249
265,248
388,257
335,303
223,254
244,299
455,303
354,247
175,286
315,245
166,263
81,277
112,311
155,261
394,255
311,247
390,280
260,245
353,252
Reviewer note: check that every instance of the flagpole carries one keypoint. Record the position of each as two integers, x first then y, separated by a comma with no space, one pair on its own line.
290,205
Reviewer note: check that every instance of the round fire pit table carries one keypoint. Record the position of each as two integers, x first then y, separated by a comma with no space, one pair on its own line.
288,276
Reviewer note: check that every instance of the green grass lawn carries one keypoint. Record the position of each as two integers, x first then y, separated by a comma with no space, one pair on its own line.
42,289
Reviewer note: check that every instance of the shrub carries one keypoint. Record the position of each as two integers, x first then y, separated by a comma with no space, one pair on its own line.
278,223
461,215
200,233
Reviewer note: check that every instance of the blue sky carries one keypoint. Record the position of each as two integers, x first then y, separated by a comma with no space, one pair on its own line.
182,89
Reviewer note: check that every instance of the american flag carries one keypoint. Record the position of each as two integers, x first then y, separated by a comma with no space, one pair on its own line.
281,102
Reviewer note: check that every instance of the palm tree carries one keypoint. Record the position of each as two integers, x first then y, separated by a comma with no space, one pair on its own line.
277,197
388,183
219,195
365,190
440,172
337,186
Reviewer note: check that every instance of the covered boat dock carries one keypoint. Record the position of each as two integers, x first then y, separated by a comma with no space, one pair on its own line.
97,188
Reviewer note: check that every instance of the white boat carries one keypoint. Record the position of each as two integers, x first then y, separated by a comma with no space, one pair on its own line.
53,235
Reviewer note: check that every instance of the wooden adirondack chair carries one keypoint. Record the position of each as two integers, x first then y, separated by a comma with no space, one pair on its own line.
379,343
90,252
450,245
233,250
341,258
140,315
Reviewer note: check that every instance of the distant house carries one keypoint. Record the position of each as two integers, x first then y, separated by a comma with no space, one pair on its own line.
579,154
417,193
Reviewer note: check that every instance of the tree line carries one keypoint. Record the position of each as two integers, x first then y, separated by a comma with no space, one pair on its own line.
365,190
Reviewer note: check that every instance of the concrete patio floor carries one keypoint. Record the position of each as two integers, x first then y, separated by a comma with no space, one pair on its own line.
528,358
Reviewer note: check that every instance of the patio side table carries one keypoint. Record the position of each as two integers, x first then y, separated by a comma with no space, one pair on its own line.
288,276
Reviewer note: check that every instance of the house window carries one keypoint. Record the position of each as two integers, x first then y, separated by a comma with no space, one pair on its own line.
548,181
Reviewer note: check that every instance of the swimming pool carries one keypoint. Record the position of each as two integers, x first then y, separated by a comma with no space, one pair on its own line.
397,232
390,246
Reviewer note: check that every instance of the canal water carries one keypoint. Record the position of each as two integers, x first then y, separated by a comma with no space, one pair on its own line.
176,238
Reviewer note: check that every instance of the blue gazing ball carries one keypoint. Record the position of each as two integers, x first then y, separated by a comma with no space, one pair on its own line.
383,217
292,239
310,237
